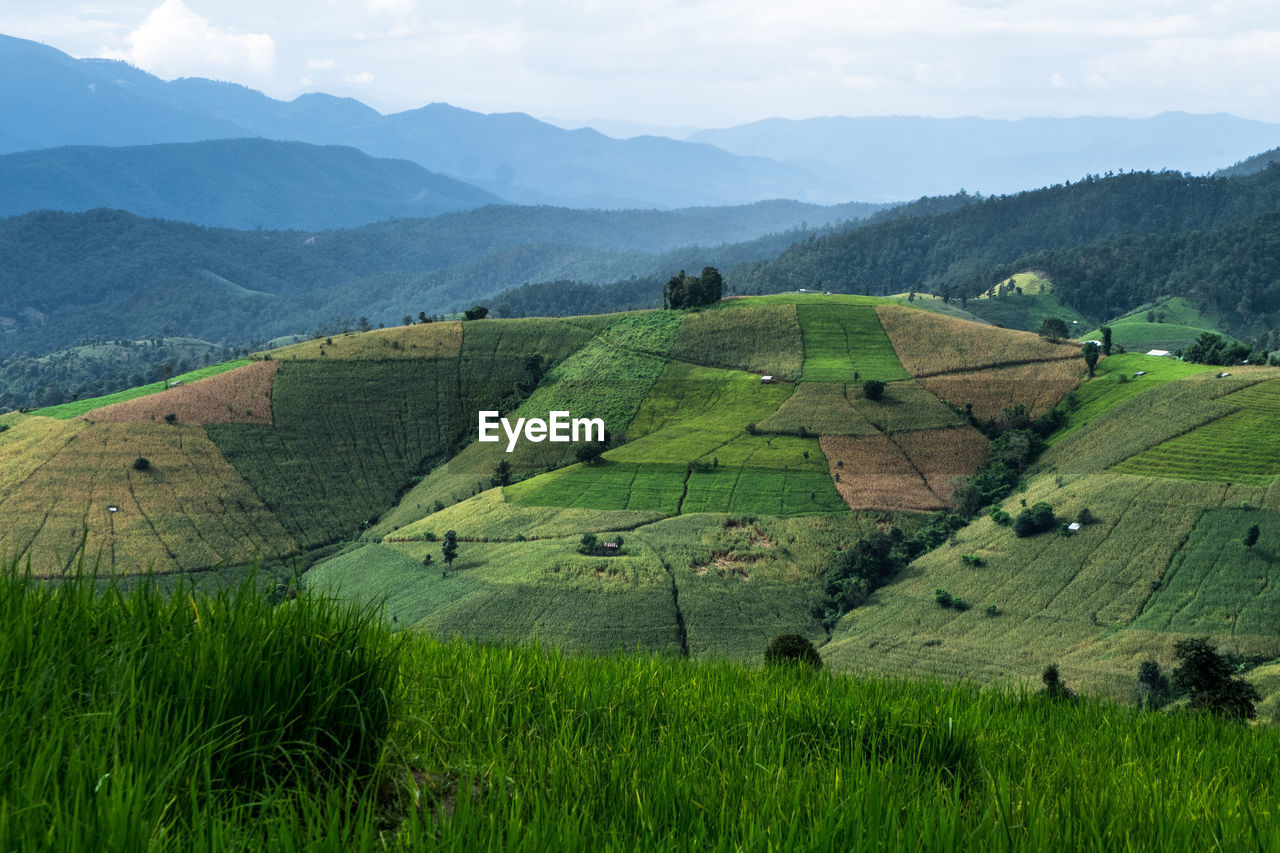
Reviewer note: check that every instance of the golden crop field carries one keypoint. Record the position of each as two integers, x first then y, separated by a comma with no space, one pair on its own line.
941,455
875,474
929,344
421,340
759,338
1037,385
189,510
242,395
28,445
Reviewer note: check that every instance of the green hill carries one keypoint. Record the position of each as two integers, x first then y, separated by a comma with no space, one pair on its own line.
734,499
1170,324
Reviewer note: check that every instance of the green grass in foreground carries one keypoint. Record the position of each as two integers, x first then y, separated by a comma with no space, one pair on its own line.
140,721
66,411
841,339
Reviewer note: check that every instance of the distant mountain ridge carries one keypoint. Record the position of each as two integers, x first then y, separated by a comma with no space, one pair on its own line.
54,100
896,158
232,183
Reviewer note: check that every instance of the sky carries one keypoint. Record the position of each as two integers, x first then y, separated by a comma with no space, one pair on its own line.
701,63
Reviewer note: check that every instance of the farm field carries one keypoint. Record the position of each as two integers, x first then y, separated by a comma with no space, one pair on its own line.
931,344
81,407
1039,386
825,408
699,407
422,340
1241,447
189,510
609,485
242,395
1107,388
1026,310
842,339
742,335
909,471
1145,420
1072,600
1177,323
1216,584
490,517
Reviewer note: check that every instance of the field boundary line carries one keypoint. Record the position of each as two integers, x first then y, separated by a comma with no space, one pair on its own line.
995,365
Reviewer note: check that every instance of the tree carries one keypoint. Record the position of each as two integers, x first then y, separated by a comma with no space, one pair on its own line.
449,548
873,389
792,649
1251,536
1035,519
1090,351
712,286
1053,329
1053,686
1154,690
501,474
142,463
426,561
1106,340
1207,677
588,544
423,318
476,312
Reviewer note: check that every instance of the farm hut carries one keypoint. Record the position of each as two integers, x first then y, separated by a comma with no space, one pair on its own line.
1223,375
766,380
611,547
1160,352
1073,526
1139,373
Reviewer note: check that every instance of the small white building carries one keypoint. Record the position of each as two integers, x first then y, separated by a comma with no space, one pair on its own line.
766,380
1073,526
1159,352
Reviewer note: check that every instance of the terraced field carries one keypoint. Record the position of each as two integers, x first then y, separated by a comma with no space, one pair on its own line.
1240,447
910,471
841,339
931,344
1039,386
424,340
743,335
826,408
242,395
81,407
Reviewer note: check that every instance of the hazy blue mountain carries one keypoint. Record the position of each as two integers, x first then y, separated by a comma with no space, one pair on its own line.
237,183
901,157
51,99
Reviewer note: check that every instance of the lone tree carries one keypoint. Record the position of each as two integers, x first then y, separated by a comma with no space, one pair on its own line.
142,463
501,474
1053,686
449,549
476,312
1106,340
1053,329
1207,677
1251,536
873,389
793,649
1154,690
1090,352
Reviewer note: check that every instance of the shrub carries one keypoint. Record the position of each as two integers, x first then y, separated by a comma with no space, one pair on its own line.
1001,517
792,649
171,418
1207,677
972,560
1035,519
751,429
942,597
1154,690
588,544
959,605
873,389
991,610
1053,686
142,463
1085,517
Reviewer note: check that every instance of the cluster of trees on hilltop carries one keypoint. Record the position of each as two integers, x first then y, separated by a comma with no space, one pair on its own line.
688,291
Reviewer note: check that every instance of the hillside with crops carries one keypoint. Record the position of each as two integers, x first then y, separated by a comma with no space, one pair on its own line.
852,469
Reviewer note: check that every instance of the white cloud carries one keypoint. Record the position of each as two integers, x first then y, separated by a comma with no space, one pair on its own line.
321,65
363,78
176,42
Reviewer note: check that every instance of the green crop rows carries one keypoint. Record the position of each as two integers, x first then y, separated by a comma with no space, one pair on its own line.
841,339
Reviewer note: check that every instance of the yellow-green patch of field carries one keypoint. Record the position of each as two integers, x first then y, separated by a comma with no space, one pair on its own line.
845,343
242,395
928,344
490,517
80,407
606,485
1038,385
423,340
1241,447
1074,600
1029,283
188,510
821,408
28,445
541,591
763,339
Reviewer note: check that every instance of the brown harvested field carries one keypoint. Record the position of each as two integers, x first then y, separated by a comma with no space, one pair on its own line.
421,340
1038,386
875,474
940,455
207,512
929,344
242,395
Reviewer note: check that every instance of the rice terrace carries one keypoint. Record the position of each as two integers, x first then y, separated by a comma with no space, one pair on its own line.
766,462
